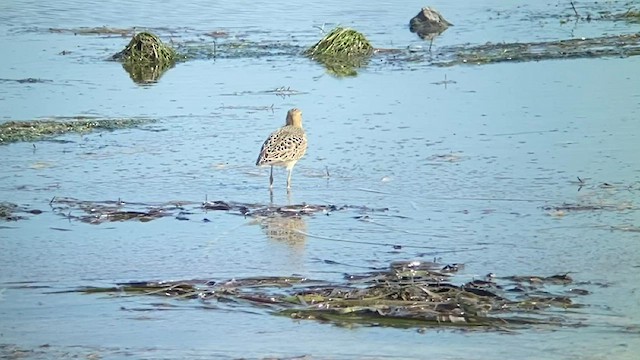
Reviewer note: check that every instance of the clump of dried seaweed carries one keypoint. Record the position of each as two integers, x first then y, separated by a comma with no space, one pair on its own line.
407,294
146,57
146,48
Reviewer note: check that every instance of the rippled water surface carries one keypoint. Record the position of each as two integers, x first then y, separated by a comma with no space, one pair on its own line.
467,169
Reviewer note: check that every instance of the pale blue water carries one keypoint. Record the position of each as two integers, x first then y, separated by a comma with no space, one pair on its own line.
517,135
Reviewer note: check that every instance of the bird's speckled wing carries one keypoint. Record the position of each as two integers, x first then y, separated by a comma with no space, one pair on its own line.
284,145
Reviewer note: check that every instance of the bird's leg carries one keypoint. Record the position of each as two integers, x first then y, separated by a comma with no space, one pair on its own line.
271,179
289,178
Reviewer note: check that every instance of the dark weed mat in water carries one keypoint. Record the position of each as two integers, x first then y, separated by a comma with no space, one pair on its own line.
605,46
407,294
26,81
34,130
589,207
14,212
98,212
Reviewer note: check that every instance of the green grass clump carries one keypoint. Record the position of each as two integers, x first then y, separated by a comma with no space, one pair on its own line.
341,42
341,51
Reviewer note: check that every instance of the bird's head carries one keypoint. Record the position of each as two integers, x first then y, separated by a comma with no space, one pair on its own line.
294,117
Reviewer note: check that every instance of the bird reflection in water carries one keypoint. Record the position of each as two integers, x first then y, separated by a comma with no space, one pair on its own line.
288,229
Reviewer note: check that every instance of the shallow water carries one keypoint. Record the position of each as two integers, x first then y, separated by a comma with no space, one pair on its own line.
465,170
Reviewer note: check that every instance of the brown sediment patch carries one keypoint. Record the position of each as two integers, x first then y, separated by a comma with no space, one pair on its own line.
407,294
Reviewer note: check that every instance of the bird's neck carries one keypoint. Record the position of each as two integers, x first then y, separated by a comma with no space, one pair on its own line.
294,121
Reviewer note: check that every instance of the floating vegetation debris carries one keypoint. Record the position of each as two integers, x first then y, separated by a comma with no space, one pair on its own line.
626,228
613,45
447,157
341,51
146,58
234,48
248,107
282,91
27,81
10,211
589,207
102,30
407,294
34,130
630,16
98,212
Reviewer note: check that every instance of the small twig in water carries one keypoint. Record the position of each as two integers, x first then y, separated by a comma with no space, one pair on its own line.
574,9
581,182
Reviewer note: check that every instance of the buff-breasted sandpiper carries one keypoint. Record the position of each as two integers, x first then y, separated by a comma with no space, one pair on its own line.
285,146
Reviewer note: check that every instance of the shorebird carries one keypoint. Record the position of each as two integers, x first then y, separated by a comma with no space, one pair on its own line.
285,146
